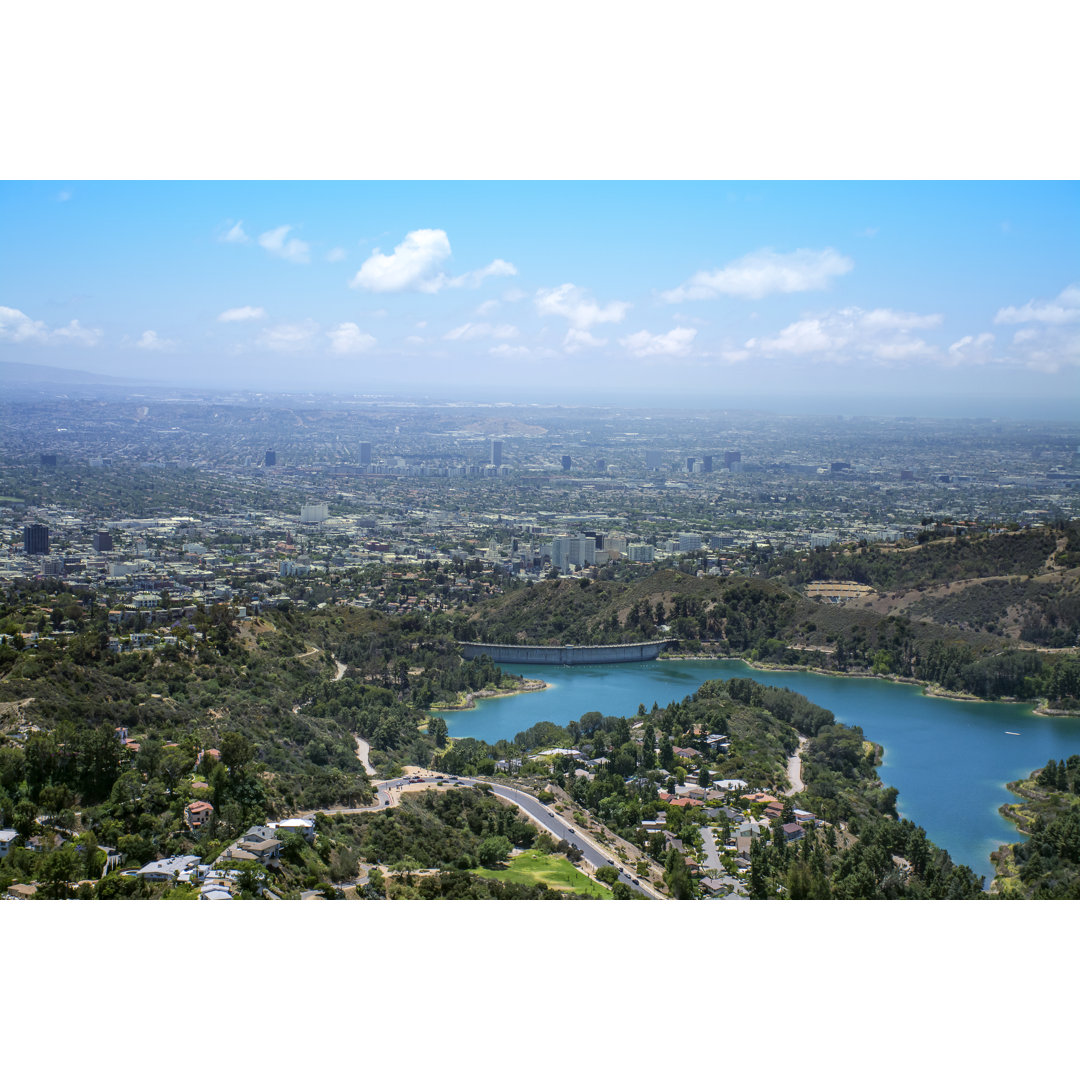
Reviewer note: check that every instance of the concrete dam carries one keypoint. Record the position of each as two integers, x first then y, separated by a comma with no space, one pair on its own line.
565,654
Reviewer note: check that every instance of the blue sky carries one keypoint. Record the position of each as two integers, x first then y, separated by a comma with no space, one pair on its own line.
950,294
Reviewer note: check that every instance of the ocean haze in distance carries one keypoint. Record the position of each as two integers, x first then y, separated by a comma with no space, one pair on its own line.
923,299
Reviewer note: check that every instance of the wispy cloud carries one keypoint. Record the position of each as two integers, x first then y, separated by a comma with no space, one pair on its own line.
152,343
674,343
289,337
337,254
574,304
17,327
763,273
470,331
275,242
234,235
576,340
347,339
242,314
851,334
1065,308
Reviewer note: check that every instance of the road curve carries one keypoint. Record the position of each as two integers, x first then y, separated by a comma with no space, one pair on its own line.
388,793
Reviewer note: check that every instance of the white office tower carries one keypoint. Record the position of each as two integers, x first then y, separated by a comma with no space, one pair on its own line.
313,513
640,553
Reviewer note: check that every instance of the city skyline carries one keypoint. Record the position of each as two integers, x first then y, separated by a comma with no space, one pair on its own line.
956,294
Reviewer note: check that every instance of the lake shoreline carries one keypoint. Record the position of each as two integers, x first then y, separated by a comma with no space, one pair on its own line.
929,689
529,686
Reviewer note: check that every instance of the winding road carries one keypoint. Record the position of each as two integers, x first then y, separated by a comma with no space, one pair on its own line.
388,793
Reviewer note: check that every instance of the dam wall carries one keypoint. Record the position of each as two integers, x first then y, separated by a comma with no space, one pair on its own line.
564,654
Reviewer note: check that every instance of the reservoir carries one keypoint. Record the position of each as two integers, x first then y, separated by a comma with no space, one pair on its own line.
950,760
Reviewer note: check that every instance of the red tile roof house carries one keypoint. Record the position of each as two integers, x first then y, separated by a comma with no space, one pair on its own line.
686,752
197,814
214,755
793,832
774,810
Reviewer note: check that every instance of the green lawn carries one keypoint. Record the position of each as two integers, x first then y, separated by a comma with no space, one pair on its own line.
555,871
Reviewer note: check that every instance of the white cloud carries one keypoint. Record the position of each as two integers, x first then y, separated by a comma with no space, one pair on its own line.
675,342
762,273
512,296
576,340
337,254
289,337
235,235
17,327
881,335
414,339
869,232
275,242
1065,308
573,303
415,264
470,331
970,350
63,196
487,307
472,280
153,343
347,338
510,352
885,319
242,314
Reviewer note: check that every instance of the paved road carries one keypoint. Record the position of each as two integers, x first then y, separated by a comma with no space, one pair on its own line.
388,793
712,854
794,767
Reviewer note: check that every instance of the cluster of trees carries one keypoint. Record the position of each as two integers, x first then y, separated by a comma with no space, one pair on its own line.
959,558
888,860
1048,861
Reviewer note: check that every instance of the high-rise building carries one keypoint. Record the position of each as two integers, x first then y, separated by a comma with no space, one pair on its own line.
365,453
102,542
36,539
313,513
270,458
566,462
689,464
47,459
652,459
706,463
496,452
732,456
601,465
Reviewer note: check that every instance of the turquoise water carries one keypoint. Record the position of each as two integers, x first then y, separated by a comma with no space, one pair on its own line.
950,760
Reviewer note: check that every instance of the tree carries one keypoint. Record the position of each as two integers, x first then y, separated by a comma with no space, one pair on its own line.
59,868
493,850
608,875
438,731
236,751
677,877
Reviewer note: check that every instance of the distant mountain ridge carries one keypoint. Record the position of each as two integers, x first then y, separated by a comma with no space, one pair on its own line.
25,375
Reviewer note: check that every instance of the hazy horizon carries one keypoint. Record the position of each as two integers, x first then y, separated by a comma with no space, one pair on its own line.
908,298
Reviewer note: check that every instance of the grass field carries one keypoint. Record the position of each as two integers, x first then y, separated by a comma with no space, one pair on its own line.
555,871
